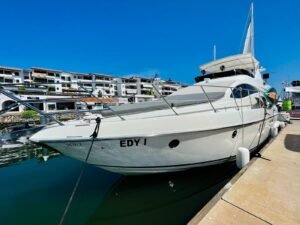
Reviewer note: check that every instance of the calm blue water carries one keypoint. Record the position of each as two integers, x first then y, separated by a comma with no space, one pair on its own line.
34,191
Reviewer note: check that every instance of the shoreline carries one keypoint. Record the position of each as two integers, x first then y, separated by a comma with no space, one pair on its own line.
15,119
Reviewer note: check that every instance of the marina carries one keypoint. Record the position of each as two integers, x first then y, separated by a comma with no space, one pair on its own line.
93,148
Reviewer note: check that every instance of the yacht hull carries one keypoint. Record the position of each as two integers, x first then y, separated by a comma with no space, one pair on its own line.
169,152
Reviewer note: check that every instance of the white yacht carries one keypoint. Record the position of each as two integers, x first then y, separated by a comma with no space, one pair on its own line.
292,99
230,106
293,93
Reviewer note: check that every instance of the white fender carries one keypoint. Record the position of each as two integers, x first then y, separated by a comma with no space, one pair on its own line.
274,131
282,125
242,157
276,124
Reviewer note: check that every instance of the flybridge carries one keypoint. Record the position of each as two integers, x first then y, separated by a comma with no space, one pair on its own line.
296,83
243,64
241,61
224,74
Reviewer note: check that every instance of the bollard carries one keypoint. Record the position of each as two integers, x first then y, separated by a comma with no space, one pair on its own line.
242,157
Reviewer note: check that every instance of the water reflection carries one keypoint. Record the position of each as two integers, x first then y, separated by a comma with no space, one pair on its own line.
18,152
37,188
161,199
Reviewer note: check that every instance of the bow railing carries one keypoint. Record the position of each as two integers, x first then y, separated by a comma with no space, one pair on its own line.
193,95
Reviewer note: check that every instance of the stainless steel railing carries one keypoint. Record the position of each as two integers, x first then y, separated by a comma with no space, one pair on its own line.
18,100
118,114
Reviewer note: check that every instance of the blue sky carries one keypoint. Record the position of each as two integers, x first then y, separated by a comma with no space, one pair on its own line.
122,37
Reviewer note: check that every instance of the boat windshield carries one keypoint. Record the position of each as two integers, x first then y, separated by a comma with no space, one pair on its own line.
224,74
184,97
295,83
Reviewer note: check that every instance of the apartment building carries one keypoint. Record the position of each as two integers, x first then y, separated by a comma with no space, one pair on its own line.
42,83
9,75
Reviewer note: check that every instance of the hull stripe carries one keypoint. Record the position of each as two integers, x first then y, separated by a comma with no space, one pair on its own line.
149,136
211,162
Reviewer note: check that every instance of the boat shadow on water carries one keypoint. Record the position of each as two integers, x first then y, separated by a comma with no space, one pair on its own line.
15,152
108,198
159,199
168,198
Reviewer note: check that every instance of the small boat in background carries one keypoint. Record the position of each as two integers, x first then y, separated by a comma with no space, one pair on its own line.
291,99
24,130
11,145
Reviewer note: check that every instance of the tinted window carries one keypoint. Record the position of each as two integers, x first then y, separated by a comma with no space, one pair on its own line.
243,90
296,83
8,80
224,74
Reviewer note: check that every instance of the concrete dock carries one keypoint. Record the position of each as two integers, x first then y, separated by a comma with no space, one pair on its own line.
267,191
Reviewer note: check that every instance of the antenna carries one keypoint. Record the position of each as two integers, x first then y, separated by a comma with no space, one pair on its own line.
215,52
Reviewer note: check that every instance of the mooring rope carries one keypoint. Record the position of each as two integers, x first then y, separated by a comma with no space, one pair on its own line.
94,136
242,116
263,124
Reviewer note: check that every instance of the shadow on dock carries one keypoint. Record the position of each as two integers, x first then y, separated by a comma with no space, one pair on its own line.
292,142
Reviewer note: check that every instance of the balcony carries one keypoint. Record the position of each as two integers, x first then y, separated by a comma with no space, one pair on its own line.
6,75
145,96
146,85
39,75
131,91
102,80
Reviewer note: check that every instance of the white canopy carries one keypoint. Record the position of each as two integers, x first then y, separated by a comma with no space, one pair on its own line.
249,40
242,61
